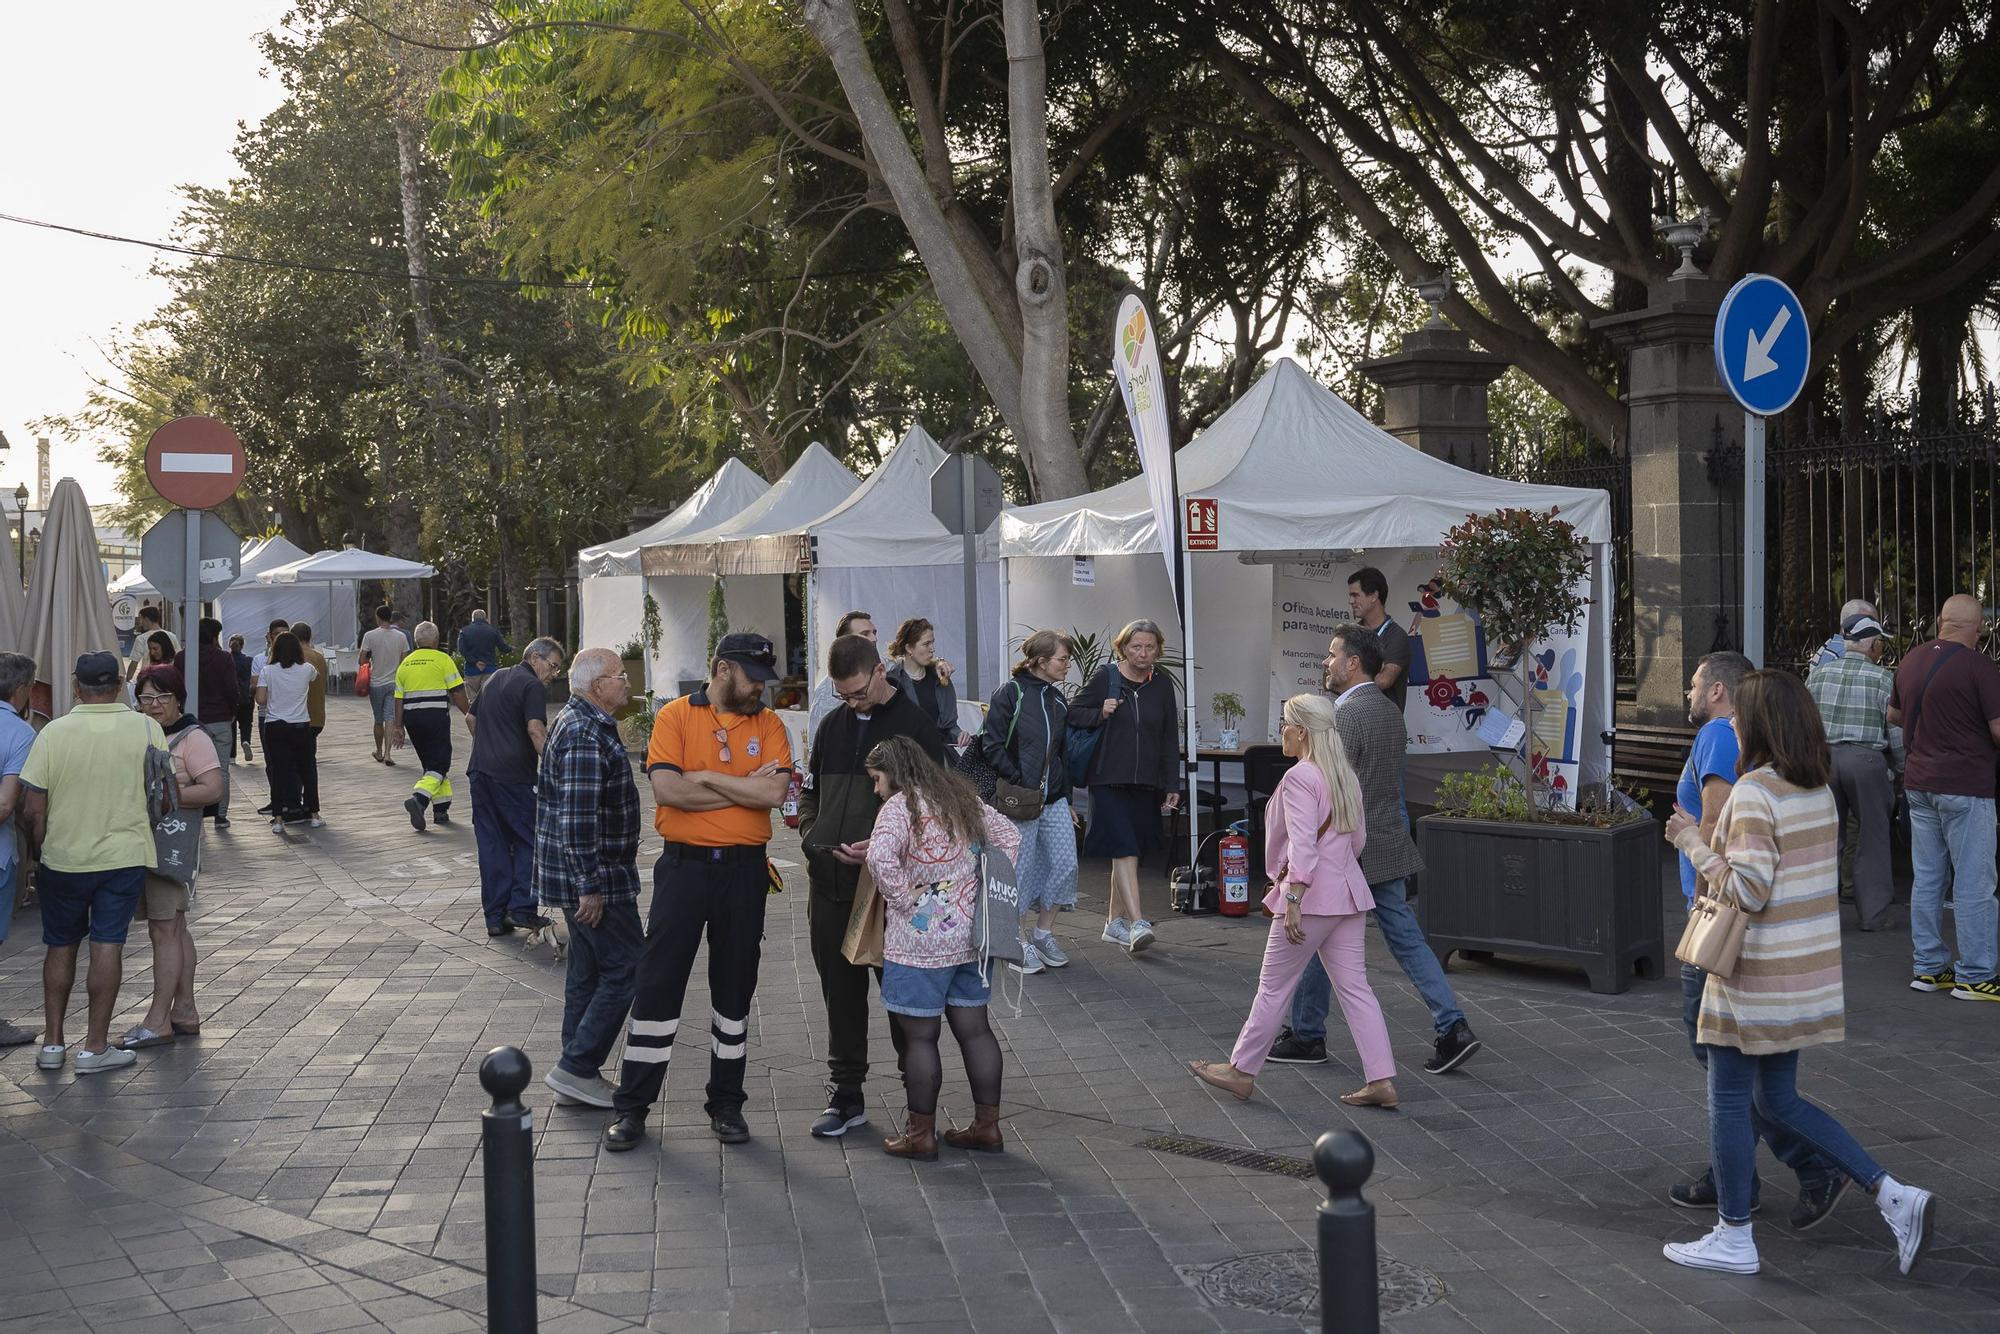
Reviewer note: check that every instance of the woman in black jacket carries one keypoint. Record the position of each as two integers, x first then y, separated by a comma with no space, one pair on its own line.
924,678
1024,739
1134,771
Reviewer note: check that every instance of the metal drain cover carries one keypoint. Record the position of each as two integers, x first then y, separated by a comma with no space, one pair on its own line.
1287,1283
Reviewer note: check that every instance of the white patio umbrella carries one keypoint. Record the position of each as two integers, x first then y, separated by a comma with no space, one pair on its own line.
13,603
350,565
69,609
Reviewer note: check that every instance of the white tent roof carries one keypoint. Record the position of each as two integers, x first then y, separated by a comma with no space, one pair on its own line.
815,484
265,553
1293,467
331,567
732,489
888,519
133,581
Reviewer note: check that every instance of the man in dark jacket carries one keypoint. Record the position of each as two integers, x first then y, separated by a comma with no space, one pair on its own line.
837,806
1373,735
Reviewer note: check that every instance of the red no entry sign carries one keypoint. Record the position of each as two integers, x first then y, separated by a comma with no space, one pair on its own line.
194,462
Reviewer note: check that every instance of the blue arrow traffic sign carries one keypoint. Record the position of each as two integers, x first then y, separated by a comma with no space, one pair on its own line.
1762,346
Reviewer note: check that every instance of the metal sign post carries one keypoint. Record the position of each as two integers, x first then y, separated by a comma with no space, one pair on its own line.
966,497
195,463
1763,351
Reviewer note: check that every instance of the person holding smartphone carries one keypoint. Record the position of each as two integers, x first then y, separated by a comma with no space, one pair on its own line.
837,809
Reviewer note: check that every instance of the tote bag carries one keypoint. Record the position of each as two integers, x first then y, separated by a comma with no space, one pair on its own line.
176,829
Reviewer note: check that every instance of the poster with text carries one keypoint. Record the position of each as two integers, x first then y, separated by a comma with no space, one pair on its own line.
1452,667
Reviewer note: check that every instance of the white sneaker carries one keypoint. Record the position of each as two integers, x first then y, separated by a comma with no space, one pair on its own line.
1729,1249
1052,953
1116,932
1142,935
1031,959
316,822
50,1057
278,827
1909,1213
111,1058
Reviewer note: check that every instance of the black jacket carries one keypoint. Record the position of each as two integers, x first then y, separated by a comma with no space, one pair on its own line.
837,802
947,700
1140,745
1037,716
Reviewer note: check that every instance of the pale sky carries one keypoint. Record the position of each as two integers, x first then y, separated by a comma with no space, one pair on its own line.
107,116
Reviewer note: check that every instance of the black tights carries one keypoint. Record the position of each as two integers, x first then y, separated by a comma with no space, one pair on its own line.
923,1069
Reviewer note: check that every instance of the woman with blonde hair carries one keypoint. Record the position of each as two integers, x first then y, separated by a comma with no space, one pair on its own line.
1024,740
1320,899
1134,772
924,678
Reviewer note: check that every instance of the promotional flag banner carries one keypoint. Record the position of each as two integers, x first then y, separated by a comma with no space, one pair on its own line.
1135,357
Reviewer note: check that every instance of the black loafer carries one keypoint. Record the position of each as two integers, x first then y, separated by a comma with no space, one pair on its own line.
526,921
729,1126
499,929
1816,1200
625,1133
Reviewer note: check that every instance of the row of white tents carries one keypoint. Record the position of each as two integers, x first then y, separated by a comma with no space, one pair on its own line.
1295,472
277,578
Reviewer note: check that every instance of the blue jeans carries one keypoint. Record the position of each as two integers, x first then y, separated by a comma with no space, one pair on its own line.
1398,922
503,828
597,990
1951,842
1741,1088
1788,1148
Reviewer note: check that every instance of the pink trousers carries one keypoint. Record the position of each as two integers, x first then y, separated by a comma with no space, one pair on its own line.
1341,943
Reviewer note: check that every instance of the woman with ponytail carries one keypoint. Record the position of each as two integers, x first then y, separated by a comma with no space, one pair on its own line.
1320,902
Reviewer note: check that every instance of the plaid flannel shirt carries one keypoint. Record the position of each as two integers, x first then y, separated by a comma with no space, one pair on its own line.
586,811
1852,695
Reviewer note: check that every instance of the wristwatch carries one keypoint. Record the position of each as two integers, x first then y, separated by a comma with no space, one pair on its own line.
1291,898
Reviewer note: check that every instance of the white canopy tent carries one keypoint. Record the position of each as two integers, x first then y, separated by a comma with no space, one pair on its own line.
250,604
348,565
1297,475
611,591
878,549
680,571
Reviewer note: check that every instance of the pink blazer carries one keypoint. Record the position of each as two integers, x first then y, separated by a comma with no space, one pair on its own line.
1324,870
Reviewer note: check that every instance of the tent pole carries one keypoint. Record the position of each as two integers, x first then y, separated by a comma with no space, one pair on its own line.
1192,764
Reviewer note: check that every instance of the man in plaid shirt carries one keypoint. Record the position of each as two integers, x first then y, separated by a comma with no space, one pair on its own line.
586,863
1853,698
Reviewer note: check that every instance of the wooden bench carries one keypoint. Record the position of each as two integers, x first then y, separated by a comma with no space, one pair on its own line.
1651,757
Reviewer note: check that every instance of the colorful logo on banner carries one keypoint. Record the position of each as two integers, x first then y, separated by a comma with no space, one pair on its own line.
1135,361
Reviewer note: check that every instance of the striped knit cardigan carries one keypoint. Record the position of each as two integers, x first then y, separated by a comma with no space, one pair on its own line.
1776,851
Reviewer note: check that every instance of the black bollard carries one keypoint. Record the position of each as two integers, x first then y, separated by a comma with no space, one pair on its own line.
1348,1303
506,1132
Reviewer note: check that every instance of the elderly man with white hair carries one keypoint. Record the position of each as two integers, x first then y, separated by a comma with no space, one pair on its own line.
428,686
586,865
1835,648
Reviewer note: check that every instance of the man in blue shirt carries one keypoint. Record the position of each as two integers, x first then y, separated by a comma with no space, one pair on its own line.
480,645
1704,786
17,680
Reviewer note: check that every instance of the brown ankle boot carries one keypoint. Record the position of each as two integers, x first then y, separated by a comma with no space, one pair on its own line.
982,1136
918,1140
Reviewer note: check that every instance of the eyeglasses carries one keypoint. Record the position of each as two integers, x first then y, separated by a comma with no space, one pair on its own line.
722,739
854,697
149,701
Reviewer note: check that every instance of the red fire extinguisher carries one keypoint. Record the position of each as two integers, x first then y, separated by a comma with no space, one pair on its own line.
1234,850
790,809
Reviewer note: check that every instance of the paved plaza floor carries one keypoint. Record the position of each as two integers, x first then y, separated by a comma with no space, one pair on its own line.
310,1162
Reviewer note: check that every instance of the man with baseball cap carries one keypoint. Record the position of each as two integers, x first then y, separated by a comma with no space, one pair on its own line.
1853,698
83,804
719,762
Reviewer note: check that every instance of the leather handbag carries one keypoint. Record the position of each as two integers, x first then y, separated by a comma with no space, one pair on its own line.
1713,937
867,924
1023,805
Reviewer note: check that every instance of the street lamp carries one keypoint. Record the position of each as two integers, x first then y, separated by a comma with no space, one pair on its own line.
21,510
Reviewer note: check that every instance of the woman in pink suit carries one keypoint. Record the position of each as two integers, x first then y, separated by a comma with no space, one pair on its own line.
1319,901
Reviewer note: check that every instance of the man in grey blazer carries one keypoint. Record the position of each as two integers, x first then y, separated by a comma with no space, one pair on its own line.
1372,733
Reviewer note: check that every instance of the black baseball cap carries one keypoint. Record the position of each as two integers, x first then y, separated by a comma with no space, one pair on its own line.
753,653
98,670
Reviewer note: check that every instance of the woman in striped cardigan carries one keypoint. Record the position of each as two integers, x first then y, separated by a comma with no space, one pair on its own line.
1776,853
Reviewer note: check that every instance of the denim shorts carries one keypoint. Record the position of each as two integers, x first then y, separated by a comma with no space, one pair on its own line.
922,993
99,903
382,699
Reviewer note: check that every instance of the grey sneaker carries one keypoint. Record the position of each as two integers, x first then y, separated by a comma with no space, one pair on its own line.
1142,935
12,1035
1031,959
1117,932
50,1057
1052,953
573,1090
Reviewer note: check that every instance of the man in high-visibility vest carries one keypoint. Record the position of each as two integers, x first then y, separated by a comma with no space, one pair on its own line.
428,686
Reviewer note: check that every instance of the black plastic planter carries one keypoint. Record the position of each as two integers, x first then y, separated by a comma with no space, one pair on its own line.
1569,893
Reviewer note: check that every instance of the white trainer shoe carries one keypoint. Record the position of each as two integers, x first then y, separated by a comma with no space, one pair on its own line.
1729,1249
1909,1212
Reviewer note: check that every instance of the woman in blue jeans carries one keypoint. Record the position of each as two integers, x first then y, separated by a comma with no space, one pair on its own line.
1775,853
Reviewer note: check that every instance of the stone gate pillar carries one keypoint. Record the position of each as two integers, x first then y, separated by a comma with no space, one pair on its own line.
1434,394
1685,586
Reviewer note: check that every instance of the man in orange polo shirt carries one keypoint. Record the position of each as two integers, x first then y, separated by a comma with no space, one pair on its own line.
719,762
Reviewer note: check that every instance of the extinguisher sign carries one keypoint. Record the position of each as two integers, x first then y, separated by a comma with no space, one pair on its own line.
1200,523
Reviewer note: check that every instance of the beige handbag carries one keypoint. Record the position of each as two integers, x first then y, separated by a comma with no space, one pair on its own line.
1714,935
867,922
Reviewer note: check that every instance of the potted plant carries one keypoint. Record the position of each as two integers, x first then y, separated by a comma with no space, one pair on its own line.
1509,868
632,658
1228,710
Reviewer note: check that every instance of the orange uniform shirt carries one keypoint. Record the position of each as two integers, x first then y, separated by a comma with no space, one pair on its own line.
685,740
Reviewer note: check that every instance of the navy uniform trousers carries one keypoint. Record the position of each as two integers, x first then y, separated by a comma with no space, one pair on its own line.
717,892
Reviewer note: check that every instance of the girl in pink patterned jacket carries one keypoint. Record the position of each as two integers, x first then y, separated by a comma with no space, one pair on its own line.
923,855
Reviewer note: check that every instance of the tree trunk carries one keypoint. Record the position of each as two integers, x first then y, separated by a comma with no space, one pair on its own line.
1029,392
402,526
409,162
1055,468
